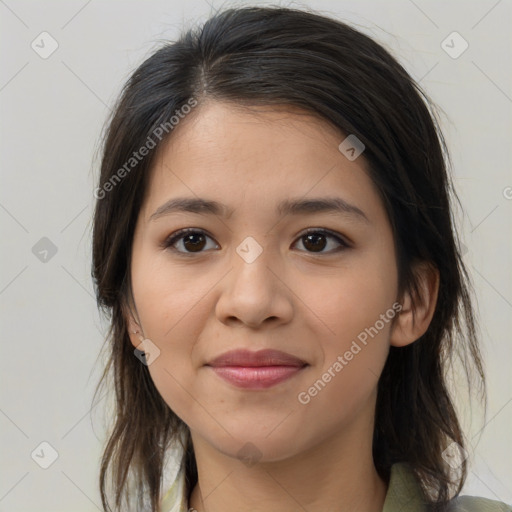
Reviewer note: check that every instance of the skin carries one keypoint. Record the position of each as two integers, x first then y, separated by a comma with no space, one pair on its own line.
196,306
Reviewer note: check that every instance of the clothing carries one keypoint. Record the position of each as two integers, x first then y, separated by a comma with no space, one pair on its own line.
403,495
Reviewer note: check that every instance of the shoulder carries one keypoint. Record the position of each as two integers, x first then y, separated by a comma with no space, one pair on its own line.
404,493
174,499
477,504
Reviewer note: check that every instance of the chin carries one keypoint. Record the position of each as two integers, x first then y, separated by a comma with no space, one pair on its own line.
260,450
252,447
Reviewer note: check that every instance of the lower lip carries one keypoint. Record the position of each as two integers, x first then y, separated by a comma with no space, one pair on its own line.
256,377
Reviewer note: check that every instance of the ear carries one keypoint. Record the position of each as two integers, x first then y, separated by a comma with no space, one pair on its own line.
132,326
417,308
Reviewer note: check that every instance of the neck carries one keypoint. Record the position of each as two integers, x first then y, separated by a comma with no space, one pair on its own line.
338,475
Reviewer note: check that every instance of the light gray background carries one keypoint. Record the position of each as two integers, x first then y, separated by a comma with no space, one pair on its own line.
52,114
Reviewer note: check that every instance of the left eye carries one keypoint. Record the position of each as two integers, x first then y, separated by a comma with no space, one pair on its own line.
317,240
194,241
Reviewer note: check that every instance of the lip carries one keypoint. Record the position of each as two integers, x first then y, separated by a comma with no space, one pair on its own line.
256,370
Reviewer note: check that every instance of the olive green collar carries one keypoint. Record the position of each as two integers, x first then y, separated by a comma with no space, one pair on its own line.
403,495
404,491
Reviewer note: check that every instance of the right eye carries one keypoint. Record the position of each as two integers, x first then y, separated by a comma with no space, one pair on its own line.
191,240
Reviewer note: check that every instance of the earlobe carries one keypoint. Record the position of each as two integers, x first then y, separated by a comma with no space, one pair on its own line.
133,328
135,336
418,307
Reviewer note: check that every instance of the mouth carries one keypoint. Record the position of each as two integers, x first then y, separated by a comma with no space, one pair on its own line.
256,370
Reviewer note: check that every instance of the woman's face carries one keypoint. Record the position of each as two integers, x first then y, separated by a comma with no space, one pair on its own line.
251,278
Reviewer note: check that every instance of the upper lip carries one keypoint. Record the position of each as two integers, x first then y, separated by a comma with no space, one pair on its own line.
259,358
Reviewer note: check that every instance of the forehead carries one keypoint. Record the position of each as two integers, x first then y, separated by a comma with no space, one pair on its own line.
258,156
244,130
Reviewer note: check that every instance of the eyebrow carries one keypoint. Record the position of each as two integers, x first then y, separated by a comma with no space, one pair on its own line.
333,205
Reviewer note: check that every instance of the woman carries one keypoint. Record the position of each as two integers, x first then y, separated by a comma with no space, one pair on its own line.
273,242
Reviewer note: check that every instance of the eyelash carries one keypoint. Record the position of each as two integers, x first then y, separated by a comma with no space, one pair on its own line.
179,235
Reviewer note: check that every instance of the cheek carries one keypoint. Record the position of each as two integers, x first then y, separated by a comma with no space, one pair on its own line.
345,382
172,308
352,301
355,307
168,299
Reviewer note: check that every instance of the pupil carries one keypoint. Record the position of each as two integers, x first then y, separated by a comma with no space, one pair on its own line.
198,245
314,239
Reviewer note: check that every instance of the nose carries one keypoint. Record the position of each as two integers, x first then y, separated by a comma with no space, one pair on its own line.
255,293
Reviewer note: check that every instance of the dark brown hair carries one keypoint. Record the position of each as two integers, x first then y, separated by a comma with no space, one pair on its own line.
280,56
